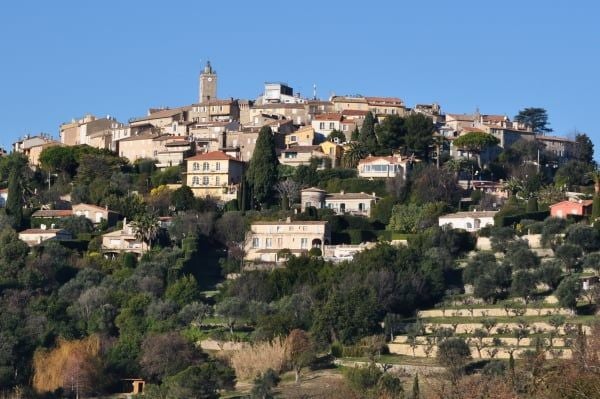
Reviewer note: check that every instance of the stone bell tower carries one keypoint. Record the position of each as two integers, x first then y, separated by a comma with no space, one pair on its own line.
208,84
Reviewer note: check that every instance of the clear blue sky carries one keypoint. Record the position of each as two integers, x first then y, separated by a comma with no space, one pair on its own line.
61,59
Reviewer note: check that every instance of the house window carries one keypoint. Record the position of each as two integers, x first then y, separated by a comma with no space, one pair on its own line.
291,155
269,242
255,242
217,180
195,181
322,125
293,138
345,128
303,243
196,166
218,166
205,180
331,125
205,166
155,153
279,242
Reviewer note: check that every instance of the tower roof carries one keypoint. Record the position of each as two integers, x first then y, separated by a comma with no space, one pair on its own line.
208,68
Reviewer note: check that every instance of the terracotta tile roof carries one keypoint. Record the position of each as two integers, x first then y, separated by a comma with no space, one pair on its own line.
279,105
461,117
215,102
99,208
354,112
582,203
162,113
347,99
350,196
293,223
494,118
144,136
314,189
330,116
390,159
551,138
212,156
384,101
40,231
52,213
471,129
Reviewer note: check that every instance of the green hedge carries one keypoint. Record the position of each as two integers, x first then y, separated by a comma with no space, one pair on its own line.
354,236
511,220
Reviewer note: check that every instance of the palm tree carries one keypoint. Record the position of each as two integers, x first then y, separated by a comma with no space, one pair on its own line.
438,142
353,154
146,228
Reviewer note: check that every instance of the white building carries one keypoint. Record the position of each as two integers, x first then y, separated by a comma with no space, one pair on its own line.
469,221
383,167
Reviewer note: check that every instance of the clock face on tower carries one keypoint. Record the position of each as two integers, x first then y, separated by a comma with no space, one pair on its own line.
209,79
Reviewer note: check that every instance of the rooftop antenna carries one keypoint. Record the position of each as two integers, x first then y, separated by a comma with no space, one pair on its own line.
314,91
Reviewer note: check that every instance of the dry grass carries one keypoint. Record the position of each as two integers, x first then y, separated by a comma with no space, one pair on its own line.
70,363
258,358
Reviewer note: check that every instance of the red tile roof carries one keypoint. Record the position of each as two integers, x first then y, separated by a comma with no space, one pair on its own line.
384,101
52,213
330,116
212,156
354,112
583,203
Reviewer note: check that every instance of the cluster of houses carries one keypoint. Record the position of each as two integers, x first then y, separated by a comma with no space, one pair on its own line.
215,138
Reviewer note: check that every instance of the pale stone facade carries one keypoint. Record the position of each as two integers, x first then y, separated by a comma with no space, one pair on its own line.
214,174
95,213
122,241
266,239
33,237
168,150
342,203
300,155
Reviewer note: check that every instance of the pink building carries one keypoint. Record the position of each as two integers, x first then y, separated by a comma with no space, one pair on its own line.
564,208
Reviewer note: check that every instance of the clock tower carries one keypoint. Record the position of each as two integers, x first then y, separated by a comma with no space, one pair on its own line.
208,84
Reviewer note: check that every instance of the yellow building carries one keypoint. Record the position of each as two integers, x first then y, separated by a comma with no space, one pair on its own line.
302,136
214,174
333,151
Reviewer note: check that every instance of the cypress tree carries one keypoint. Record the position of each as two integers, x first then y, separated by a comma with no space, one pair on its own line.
262,170
596,208
416,394
532,205
367,133
14,202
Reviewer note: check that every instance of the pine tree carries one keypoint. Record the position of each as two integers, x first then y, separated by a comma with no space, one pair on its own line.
355,136
262,171
367,135
14,203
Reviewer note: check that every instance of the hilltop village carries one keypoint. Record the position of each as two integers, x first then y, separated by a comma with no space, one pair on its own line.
249,247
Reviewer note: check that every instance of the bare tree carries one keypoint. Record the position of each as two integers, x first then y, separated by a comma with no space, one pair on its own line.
289,192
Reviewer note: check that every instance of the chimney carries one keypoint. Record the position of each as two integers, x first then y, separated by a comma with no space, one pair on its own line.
43,226
288,220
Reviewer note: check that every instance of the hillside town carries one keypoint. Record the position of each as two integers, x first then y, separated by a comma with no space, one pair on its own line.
245,248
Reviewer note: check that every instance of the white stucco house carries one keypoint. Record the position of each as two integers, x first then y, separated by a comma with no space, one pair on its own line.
469,221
